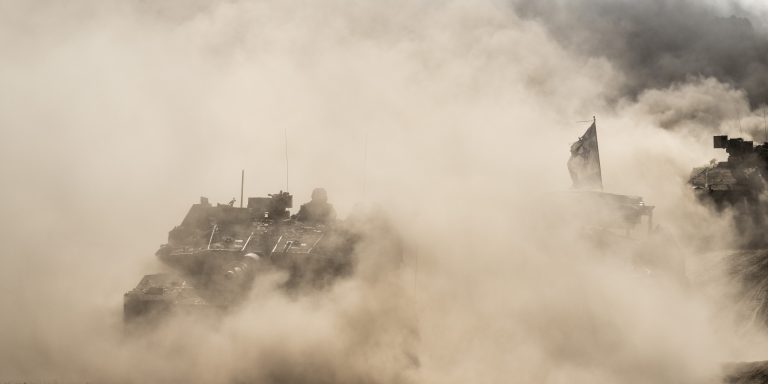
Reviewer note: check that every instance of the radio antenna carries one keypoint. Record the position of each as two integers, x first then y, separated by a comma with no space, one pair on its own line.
285,131
242,182
741,131
765,127
365,163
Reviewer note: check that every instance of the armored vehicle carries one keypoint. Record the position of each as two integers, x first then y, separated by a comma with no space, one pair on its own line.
218,251
602,210
738,185
739,180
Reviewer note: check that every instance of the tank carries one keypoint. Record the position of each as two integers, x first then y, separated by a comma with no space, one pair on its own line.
217,252
737,185
739,178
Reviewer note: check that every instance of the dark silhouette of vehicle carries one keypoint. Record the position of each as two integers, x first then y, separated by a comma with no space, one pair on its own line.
218,251
737,185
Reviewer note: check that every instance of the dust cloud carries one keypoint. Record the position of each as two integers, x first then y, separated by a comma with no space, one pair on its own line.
657,43
454,117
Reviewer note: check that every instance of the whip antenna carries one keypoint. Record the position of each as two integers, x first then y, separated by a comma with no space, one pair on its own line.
365,163
765,128
741,131
285,131
242,182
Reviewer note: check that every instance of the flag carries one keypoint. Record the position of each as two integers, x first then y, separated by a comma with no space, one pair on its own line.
584,164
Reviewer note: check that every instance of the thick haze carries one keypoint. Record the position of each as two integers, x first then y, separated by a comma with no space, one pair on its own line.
657,43
117,116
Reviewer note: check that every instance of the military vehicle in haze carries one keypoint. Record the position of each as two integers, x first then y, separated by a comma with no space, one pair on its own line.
598,209
739,185
607,219
218,251
613,224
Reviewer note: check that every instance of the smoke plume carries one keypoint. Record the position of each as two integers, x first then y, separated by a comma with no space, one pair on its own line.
454,117
659,43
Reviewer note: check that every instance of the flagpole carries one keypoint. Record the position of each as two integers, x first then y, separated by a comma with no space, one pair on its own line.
597,148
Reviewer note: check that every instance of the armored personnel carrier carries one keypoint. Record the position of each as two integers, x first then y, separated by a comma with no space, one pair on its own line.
218,251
